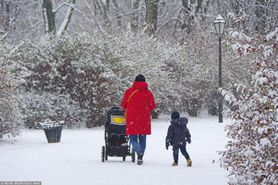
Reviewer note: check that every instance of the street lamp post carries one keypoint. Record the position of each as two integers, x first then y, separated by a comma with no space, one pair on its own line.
219,24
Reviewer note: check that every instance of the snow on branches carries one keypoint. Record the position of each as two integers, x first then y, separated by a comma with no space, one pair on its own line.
251,154
8,125
60,80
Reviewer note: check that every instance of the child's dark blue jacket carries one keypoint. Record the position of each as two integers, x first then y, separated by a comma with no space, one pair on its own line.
178,133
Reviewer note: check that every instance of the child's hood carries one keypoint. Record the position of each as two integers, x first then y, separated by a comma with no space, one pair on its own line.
180,122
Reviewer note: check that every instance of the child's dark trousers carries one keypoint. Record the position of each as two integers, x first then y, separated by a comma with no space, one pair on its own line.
176,149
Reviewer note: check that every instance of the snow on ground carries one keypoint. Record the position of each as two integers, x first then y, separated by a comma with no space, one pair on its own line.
76,160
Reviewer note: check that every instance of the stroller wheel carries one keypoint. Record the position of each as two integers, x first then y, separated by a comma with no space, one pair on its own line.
103,154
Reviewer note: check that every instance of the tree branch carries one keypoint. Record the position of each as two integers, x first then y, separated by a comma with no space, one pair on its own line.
60,6
172,19
67,18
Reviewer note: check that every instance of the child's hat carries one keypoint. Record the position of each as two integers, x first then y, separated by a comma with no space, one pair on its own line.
175,115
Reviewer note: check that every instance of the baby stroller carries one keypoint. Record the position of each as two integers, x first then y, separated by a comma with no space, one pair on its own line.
116,141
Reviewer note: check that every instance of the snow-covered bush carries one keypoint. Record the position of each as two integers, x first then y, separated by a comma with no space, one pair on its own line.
77,79
128,55
61,80
177,80
8,123
193,72
9,119
251,154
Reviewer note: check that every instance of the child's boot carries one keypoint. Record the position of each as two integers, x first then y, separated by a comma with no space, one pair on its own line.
175,163
189,162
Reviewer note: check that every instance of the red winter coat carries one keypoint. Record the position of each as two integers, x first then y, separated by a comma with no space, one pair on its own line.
138,102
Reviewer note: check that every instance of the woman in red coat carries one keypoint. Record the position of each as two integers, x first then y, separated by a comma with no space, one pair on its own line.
138,102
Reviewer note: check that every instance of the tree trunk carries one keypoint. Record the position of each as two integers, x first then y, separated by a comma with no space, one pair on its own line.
4,15
8,13
199,6
105,7
188,18
185,5
119,23
49,16
261,16
134,18
50,20
98,9
151,16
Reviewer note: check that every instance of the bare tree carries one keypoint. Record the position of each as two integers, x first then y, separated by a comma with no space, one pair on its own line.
8,14
151,16
174,20
134,17
259,16
49,16
187,16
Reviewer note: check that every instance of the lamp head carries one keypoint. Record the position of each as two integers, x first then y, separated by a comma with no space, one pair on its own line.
219,25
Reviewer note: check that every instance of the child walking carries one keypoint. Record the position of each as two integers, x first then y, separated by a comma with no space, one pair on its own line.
177,136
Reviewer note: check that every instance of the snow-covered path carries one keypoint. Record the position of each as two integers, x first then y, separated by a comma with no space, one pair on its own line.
76,160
